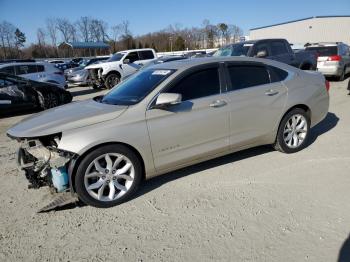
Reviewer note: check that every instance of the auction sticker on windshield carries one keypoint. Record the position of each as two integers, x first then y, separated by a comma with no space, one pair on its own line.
161,72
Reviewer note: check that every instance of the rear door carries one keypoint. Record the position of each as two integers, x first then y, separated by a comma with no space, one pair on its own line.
145,56
13,95
256,103
195,128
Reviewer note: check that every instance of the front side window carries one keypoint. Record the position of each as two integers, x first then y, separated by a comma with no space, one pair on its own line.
278,48
199,84
245,76
135,88
133,56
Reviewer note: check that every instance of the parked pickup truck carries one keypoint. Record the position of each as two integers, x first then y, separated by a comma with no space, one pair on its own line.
275,49
119,66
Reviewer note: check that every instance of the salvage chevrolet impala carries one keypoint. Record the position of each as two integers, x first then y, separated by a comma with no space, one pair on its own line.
166,117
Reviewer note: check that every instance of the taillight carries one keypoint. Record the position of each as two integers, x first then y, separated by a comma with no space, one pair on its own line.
334,58
327,85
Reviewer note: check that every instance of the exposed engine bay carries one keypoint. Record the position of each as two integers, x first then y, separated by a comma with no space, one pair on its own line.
43,163
96,77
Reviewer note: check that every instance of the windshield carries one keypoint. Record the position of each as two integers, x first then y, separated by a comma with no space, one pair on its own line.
233,50
324,50
115,57
134,89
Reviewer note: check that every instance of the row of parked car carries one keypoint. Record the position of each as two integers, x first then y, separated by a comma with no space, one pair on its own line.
332,59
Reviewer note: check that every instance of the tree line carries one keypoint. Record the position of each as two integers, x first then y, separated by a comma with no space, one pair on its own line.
119,37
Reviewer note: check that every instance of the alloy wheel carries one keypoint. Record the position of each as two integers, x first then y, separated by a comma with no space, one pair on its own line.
295,131
109,176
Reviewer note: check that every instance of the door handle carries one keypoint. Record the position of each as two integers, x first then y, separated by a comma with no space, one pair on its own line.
271,92
218,103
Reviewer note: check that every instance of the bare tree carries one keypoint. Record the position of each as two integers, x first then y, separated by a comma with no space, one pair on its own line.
41,35
83,25
65,28
51,27
7,36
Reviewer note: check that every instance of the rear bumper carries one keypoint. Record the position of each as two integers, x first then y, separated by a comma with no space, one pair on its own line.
330,70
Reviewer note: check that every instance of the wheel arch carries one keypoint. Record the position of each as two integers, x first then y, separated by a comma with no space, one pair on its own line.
74,163
114,72
301,106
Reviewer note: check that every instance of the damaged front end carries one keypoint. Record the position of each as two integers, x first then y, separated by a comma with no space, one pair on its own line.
43,163
96,78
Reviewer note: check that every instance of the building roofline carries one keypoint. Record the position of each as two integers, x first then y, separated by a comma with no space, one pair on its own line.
297,20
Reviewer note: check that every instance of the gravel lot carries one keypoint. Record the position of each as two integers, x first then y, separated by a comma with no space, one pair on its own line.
255,205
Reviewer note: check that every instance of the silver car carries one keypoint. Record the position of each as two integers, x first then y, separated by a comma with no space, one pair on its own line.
333,59
166,117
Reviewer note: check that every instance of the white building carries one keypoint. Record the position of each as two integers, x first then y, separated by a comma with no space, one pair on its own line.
308,30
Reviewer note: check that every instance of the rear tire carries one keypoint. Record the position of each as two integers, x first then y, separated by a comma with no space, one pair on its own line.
47,100
109,168
293,132
342,76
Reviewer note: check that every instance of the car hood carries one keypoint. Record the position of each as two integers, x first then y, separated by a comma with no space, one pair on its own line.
67,117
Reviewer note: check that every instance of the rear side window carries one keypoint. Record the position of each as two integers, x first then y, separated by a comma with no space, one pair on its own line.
133,56
144,55
8,70
276,74
247,76
25,69
324,50
261,47
40,68
278,48
199,84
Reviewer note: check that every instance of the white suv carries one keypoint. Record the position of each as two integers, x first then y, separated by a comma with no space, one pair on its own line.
41,72
119,66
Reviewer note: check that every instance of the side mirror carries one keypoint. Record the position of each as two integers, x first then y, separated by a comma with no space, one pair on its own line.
167,99
126,61
261,54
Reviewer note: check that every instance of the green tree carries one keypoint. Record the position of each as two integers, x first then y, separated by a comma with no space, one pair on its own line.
20,38
179,44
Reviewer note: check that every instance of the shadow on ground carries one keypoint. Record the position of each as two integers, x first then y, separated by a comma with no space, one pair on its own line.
330,121
344,253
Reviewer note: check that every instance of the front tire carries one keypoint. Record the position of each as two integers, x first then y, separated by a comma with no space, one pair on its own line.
112,80
108,176
293,132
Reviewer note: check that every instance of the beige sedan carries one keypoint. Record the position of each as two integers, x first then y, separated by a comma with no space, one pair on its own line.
167,117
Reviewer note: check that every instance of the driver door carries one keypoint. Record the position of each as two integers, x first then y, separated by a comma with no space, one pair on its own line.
195,128
132,66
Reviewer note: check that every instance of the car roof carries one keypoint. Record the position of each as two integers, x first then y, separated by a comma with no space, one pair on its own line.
188,63
135,50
